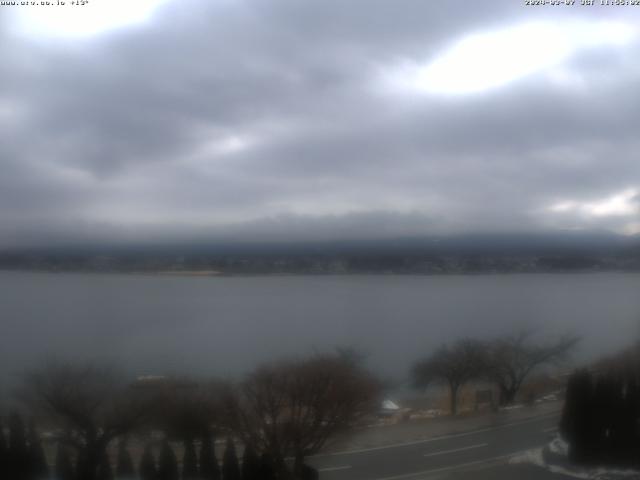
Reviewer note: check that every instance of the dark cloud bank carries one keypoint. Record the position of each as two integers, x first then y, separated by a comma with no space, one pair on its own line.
273,120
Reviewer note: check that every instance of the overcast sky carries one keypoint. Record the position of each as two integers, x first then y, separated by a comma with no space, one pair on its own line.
147,119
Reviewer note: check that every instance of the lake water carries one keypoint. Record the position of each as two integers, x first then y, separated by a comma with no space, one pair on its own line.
224,326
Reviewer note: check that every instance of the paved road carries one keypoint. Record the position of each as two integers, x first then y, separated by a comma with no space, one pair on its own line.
506,472
438,456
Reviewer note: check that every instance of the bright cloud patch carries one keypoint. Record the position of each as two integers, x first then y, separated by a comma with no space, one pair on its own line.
96,16
487,60
622,204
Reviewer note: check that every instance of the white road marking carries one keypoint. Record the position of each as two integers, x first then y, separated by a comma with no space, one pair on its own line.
444,452
333,469
549,430
445,469
435,439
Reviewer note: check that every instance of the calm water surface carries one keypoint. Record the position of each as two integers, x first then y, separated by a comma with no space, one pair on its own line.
223,326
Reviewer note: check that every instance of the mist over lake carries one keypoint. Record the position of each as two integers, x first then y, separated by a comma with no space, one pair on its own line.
224,326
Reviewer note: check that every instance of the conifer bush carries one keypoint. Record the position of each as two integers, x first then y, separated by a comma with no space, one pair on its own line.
189,462
601,419
63,469
230,465
124,466
148,468
38,468
209,468
250,464
18,461
167,463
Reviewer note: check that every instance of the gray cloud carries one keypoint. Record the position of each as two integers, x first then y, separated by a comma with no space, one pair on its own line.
249,118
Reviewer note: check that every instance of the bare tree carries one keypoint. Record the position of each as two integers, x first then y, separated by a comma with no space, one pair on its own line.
187,409
4,456
292,408
510,360
90,404
454,365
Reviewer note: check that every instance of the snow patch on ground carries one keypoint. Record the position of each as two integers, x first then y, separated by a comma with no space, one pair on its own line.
559,447
553,458
531,457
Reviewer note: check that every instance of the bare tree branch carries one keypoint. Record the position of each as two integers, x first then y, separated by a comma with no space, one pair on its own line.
511,359
292,408
454,365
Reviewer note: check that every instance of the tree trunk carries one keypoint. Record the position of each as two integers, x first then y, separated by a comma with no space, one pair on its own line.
282,471
507,395
454,398
91,456
298,463
88,462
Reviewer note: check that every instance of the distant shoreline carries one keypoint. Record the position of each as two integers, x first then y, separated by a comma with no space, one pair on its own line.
221,274
189,273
